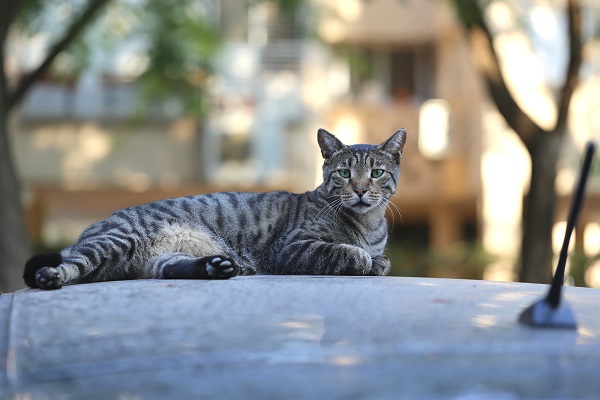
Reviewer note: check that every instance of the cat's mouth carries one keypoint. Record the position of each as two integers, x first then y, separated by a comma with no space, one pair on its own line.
361,205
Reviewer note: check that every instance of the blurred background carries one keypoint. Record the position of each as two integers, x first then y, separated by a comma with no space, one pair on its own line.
108,104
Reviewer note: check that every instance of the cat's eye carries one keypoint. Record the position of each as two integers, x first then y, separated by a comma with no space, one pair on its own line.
376,173
344,173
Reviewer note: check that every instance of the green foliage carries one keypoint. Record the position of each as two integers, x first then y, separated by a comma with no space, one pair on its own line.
183,45
469,12
69,64
579,264
359,64
36,16
51,19
176,37
178,40
463,260
287,6
466,260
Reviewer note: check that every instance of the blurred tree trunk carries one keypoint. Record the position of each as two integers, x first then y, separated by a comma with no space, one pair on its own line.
543,145
538,209
14,243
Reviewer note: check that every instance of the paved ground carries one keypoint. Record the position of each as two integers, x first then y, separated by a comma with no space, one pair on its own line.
296,338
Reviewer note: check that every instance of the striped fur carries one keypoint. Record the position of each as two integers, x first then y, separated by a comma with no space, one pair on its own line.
337,229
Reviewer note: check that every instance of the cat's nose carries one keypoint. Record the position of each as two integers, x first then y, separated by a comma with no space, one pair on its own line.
360,192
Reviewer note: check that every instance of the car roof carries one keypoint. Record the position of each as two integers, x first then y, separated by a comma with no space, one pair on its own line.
295,337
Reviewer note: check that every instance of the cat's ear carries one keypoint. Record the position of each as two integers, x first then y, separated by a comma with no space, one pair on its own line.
395,144
328,143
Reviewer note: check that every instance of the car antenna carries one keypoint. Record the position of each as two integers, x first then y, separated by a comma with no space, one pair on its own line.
550,312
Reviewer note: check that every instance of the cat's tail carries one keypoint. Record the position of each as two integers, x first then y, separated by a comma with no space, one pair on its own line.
38,262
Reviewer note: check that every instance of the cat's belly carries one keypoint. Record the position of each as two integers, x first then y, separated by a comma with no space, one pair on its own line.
187,239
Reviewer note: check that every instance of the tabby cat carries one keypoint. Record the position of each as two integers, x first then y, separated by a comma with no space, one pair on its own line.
337,229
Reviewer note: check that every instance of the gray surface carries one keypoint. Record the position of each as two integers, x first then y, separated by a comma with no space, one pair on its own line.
295,337
5,304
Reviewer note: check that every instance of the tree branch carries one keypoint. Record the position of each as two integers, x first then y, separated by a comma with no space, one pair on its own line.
572,78
486,58
94,6
9,11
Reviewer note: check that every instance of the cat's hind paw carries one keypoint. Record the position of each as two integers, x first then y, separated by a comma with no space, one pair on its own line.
48,278
37,263
220,267
179,266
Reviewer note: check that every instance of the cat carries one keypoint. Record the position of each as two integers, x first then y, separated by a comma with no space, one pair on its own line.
337,229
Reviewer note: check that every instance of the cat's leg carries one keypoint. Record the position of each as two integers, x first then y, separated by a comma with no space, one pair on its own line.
53,270
183,266
315,257
106,258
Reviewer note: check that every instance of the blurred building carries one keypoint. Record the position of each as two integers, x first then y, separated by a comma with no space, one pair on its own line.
379,65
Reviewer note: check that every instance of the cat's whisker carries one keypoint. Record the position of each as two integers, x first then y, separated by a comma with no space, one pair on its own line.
382,204
391,206
399,212
328,208
396,208
336,213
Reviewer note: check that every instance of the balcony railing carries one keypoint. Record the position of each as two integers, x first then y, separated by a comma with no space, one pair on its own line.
100,100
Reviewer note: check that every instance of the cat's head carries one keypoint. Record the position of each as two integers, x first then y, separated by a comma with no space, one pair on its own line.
364,176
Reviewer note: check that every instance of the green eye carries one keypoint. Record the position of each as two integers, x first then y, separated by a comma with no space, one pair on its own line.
344,173
376,173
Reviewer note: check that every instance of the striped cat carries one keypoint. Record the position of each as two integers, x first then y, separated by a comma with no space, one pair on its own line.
337,229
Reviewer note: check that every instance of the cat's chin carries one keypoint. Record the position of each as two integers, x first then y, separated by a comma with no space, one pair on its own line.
361,207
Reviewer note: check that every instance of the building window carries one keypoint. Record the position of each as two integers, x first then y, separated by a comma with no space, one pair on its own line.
399,74
285,33
402,74
234,20
277,31
235,147
434,128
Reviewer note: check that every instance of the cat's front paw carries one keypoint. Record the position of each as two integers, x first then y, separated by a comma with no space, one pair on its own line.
380,265
220,267
48,278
